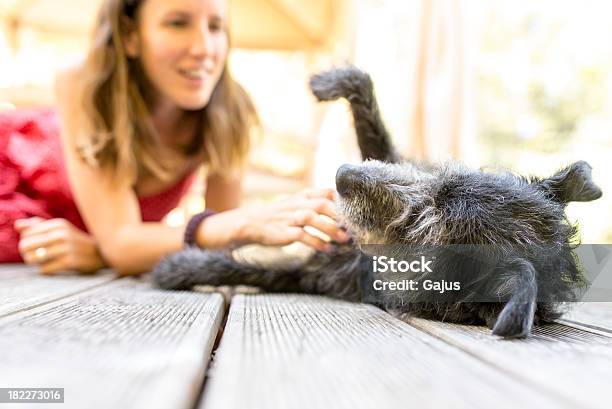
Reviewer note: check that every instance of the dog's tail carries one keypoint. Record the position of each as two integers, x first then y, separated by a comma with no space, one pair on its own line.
572,184
186,268
356,86
516,319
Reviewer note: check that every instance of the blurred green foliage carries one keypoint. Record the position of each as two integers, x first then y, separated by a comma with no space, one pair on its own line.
544,94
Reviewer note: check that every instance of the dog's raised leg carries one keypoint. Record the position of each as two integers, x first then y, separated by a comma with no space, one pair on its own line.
186,268
572,184
516,318
356,86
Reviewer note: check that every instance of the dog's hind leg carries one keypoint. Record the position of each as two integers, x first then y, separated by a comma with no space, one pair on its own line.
516,318
572,184
356,86
189,267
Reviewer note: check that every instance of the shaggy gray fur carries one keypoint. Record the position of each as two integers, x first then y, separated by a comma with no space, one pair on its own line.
516,242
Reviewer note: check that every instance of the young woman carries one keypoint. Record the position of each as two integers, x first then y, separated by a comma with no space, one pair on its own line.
152,101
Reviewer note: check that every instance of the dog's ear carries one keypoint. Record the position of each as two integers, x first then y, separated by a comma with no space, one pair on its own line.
572,184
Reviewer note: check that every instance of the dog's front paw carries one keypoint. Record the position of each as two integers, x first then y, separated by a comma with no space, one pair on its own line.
515,320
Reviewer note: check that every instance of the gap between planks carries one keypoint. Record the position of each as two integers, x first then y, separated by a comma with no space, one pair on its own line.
294,351
590,316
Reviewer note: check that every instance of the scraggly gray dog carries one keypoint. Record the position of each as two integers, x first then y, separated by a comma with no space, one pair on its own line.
504,238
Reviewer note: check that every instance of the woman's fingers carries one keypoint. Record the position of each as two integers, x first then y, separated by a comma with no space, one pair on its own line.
31,257
54,266
42,240
31,242
319,205
323,206
45,226
299,234
319,211
22,224
44,254
290,221
56,245
306,217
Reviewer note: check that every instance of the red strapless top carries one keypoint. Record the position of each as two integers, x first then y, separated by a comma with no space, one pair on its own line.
33,180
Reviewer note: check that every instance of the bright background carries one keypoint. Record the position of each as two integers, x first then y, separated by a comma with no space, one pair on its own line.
494,83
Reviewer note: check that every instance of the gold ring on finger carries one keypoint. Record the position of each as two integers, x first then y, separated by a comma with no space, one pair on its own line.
40,254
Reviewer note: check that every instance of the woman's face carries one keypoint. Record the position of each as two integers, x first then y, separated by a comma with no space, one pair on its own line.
182,46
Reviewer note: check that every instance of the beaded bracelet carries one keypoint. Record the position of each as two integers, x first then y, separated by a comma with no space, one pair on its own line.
192,226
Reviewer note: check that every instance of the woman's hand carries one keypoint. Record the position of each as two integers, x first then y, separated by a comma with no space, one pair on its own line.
284,222
56,245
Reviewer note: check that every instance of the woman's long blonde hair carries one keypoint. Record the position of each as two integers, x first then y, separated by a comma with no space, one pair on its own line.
119,136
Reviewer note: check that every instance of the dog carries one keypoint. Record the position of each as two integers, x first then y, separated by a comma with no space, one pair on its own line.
503,241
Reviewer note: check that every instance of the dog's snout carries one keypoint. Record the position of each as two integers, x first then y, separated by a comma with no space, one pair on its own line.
346,179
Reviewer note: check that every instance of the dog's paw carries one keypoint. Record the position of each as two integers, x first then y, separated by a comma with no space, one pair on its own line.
348,82
580,186
515,320
324,87
572,184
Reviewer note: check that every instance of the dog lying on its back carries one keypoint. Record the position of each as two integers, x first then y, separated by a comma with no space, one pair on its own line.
517,241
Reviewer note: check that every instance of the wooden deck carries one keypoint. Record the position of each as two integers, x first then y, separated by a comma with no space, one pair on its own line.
122,343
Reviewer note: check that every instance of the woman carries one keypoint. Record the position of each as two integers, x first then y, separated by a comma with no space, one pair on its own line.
152,101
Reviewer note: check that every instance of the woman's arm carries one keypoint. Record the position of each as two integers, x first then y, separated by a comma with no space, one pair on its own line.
276,224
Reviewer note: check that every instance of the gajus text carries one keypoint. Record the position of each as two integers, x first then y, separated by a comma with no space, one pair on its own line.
412,285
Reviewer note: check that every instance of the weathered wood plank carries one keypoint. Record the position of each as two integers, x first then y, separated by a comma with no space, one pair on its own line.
298,351
124,345
590,316
14,270
22,287
574,364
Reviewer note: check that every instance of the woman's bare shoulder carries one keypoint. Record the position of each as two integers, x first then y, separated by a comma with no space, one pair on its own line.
66,97
66,79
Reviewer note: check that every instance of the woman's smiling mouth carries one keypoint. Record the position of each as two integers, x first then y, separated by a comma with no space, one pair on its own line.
196,76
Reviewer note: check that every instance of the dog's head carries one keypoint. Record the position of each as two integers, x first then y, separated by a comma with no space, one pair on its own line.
378,200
